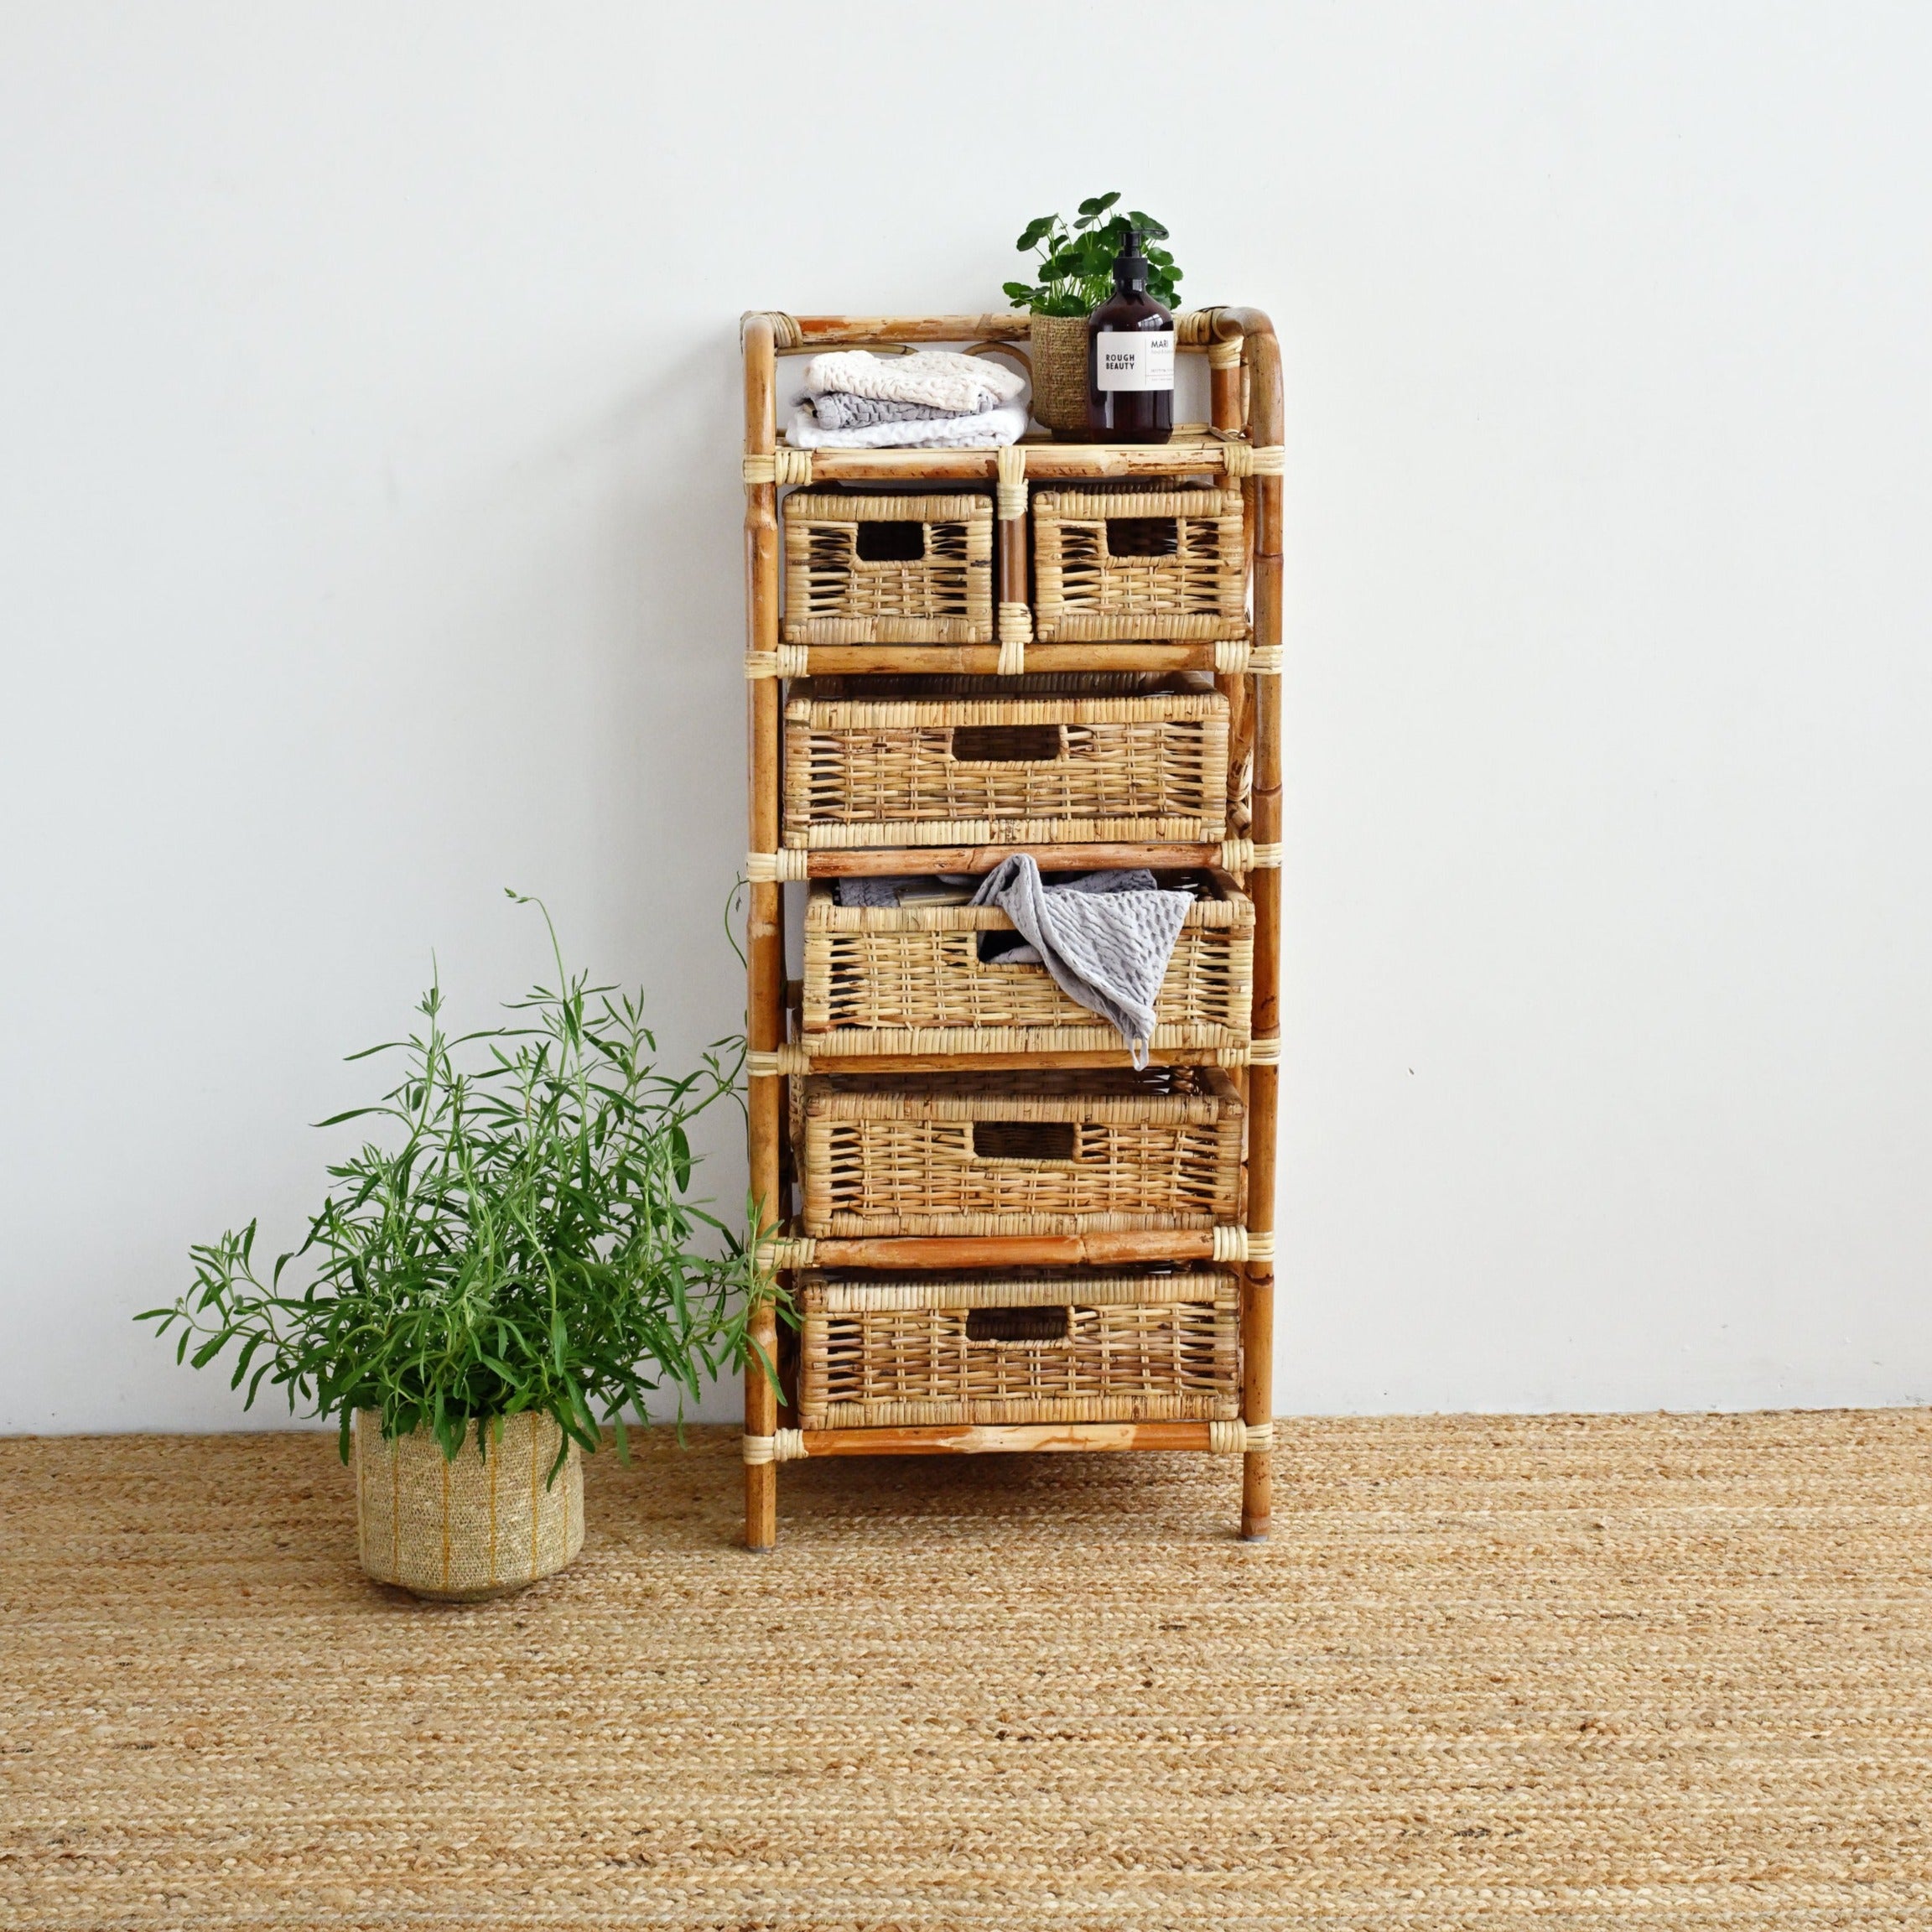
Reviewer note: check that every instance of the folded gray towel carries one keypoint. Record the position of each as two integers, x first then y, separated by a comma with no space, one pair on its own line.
1106,937
890,889
836,410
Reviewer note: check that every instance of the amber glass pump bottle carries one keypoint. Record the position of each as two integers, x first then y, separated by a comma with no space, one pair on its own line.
1131,358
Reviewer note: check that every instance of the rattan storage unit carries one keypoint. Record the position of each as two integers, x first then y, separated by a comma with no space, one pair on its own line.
994,1232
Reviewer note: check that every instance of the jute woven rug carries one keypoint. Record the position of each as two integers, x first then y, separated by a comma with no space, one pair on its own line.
1604,1672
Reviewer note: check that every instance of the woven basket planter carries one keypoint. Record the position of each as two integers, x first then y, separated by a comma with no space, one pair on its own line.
910,979
979,1348
1057,350
888,569
1027,1153
1130,562
1004,761
481,1526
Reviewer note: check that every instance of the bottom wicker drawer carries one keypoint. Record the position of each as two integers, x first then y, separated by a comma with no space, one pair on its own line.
976,1348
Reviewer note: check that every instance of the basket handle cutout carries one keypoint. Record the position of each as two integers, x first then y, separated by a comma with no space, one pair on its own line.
1008,743
1049,1324
880,543
1143,536
1023,1140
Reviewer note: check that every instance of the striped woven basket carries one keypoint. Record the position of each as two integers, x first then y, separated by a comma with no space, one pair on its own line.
910,979
1004,761
986,1348
1128,562
1052,1152
887,569
480,1526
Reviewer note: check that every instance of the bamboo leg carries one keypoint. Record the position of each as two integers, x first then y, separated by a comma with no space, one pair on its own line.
764,1006
1264,1090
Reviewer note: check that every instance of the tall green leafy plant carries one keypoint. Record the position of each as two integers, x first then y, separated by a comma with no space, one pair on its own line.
522,1236
1075,267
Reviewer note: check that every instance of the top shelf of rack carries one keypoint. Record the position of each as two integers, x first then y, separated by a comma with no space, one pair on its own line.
1244,361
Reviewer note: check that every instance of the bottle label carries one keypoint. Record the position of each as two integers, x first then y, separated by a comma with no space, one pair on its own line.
1129,360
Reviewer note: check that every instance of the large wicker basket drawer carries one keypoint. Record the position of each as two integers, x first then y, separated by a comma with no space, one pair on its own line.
910,979
1127,561
1029,1153
1005,761
888,569
876,1352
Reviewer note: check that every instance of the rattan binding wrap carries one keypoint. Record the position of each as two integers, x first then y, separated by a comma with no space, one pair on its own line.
909,980
875,762
901,1352
1066,1152
1083,592
835,595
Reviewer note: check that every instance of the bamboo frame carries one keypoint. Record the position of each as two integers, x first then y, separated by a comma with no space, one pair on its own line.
983,1438
1247,418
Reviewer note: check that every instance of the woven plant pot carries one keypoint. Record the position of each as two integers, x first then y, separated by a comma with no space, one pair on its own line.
1059,357
481,1526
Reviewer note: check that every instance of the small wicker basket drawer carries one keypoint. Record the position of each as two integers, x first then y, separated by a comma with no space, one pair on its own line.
977,1348
888,569
1028,1153
1128,562
910,979
1005,761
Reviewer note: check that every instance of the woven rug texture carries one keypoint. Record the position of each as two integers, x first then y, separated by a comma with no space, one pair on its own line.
1603,1672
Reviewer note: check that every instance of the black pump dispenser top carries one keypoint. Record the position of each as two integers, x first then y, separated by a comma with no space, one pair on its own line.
1130,265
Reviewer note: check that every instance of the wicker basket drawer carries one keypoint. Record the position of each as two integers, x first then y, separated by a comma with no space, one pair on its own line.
910,979
1028,1153
1128,562
1005,761
875,1352
888,569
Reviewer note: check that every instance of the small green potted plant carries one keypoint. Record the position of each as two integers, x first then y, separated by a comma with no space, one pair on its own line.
511,1270
1075,275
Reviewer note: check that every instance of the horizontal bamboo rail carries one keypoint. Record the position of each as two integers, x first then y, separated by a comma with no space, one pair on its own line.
983,660
1107,1247
970,1439
824,1060
1045,463
857,862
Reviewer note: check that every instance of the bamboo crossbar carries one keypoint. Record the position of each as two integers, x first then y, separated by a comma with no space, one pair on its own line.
857,862
1094,1248
1045,463
1239,452
1233,657
969,1438
1198,329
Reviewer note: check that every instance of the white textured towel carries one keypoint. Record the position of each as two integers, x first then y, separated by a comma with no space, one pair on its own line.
987,431
967,384
1106,938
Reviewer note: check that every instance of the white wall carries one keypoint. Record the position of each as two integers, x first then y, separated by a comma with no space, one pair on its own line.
368,541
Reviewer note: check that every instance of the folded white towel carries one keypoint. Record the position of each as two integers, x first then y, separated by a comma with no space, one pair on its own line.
967,384
986,431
